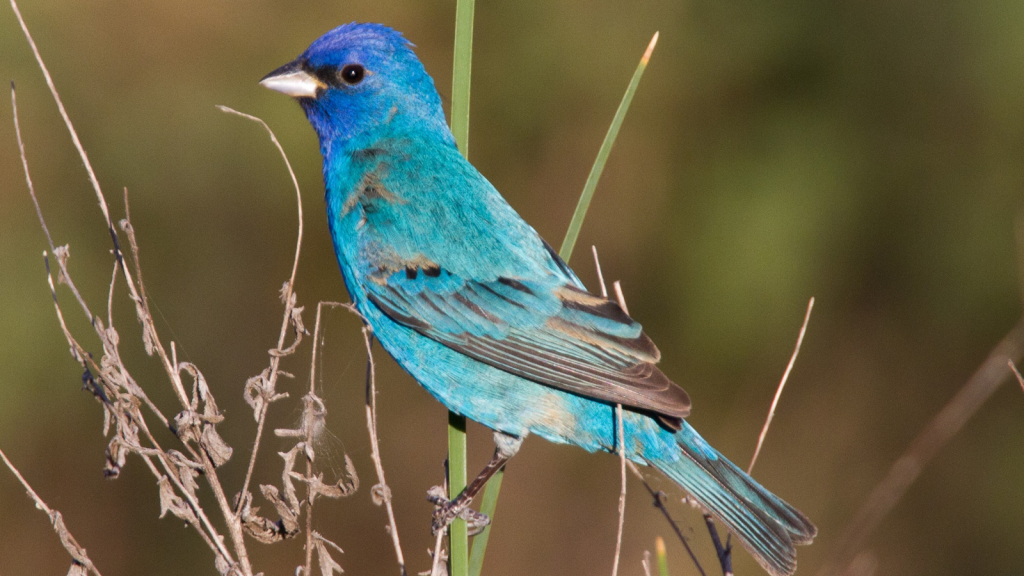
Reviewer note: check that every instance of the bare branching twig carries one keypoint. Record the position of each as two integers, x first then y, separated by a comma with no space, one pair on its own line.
121,397
261,391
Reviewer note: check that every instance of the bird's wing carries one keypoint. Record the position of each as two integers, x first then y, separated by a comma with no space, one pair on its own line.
548,331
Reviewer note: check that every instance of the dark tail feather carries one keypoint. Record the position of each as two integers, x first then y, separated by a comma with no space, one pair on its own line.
767,526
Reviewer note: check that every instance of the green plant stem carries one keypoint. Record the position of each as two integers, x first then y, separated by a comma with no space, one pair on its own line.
602,156
487,506
461,72
458,537
493,488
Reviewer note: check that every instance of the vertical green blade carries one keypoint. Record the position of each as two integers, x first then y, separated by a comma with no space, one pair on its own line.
487,506
461,72
458,537
602,156
490,499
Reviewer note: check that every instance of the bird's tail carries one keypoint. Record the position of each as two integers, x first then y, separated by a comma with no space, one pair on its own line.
767,526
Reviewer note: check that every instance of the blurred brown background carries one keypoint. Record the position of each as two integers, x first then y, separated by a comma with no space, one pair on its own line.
866,153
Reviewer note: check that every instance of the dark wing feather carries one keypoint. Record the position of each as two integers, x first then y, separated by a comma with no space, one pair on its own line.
554,334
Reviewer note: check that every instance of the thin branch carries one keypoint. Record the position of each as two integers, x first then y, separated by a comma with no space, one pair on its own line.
600,276
618,296
723,552
621,434
1016,372
103,208
142,308
622,490
659,503
24,164
173,370
371,426
78,554
436,560
309,433
943,427
64,115
295,183
782,384
35,202
287,295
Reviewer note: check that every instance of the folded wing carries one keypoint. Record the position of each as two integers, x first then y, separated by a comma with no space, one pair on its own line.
549,332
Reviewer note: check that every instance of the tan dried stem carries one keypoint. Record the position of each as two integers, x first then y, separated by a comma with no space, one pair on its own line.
173,370
1016,372
371,426
309,432
437,561
39,212
142,311
24,164
621,444
147,322
943,427
622,490
600,276
286,295
617,286
211,536
782,384
64,115
77,552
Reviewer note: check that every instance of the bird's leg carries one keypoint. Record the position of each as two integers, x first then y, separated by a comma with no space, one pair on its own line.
447,511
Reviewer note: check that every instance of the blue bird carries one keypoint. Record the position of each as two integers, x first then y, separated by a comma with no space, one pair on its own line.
478,308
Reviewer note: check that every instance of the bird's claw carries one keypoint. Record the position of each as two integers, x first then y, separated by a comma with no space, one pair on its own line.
446,511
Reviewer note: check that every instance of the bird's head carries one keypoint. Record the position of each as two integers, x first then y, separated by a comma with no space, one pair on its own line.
362,79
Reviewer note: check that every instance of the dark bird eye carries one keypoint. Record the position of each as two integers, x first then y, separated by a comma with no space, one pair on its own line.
352,74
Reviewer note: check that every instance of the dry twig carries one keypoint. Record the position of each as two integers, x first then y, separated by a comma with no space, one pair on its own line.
80,562
261,391
659,503
782,384
620,430
1016,372
381,492
110,381
943,427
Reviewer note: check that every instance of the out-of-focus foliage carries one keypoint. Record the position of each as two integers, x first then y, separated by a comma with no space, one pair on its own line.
869,154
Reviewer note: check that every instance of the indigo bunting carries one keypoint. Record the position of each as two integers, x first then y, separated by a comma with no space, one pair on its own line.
478,308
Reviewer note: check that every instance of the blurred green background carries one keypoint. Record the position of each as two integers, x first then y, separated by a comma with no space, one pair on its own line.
865,153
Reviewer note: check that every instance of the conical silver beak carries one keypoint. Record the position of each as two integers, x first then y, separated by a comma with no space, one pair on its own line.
293,81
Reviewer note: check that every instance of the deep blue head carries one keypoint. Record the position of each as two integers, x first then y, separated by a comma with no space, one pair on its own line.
360,80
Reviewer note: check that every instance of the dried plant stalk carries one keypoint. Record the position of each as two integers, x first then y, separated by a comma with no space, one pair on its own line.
80,562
